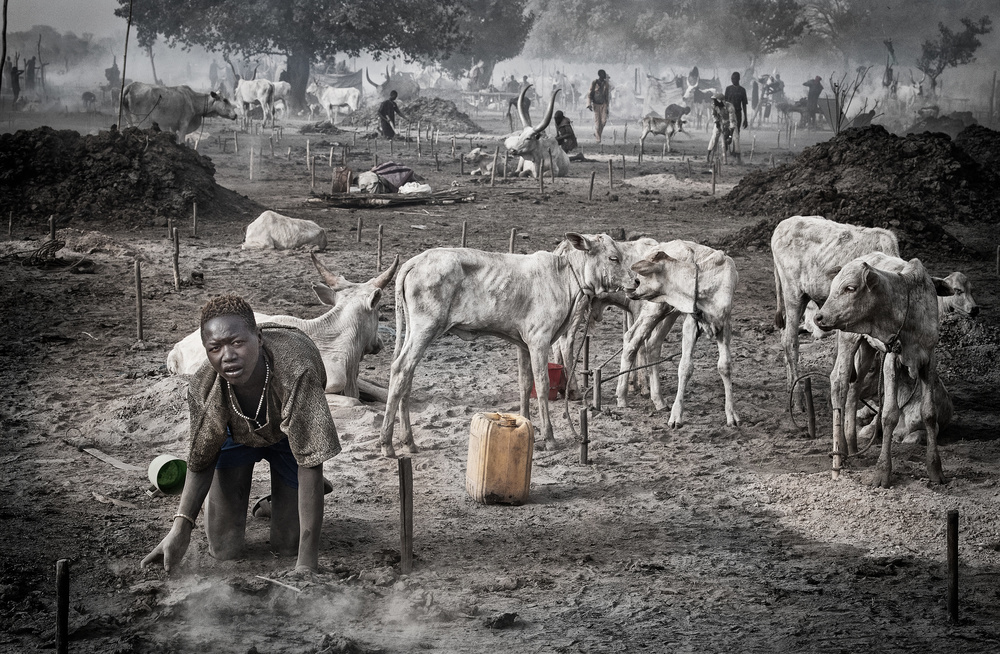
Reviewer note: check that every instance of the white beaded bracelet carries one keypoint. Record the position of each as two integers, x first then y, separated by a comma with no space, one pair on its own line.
188,518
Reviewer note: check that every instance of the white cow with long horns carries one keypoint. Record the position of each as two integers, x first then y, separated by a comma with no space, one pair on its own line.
535,148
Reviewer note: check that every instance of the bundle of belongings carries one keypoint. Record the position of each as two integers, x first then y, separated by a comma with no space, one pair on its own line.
389,177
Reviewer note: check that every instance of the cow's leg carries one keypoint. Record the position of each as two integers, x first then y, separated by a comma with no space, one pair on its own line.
524,380
794,308
862,364
654,348
538,357
928,412
723,338
840,378
689,338
890,416
632,340
401,384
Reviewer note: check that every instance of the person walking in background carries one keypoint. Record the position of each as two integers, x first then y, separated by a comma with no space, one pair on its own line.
812,98
737,96
597,101
387,116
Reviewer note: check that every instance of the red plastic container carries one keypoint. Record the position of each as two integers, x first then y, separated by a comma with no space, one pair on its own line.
557,381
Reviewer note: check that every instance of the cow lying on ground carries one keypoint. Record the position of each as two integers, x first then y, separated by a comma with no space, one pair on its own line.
525,299
482,161
272,230
344,334
176,109
533,147
333,99
696,281
882,303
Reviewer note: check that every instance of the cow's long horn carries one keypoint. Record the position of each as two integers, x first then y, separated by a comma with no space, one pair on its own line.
332,280
383,280
368,77
548,114
520,106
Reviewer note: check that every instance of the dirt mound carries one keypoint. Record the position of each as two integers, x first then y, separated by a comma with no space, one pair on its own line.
443,114
870,177
982,144
951,124
134,177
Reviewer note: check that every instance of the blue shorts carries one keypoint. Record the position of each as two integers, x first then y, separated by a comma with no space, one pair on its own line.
279,456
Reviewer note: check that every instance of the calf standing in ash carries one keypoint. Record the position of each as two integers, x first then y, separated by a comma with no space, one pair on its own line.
527,300
694,280
892,304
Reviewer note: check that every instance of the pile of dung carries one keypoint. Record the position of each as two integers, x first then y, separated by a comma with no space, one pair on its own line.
911,185
436,112
983,145
951,124
131,178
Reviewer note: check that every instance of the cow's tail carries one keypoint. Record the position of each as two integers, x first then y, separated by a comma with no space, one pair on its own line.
779,313
401,321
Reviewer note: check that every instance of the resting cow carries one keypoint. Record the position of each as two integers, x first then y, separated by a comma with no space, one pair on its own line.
272,230
344,334
696,281
176,109
533,147
525,299
883,303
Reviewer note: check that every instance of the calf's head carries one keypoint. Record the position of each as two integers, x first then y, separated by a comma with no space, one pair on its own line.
221,106
663,278
603,268
960,299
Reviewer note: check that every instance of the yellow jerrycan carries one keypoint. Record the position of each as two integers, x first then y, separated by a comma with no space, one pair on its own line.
500,450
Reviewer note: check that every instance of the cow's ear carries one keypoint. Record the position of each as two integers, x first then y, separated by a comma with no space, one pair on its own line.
644,267
869,276
579,241
830,274
942,287
661,256
325,294
374,298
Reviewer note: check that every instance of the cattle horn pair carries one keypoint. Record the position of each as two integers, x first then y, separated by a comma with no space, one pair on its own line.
548,113
334,281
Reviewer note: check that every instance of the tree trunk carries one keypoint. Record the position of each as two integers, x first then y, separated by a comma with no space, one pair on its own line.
298,76
152,64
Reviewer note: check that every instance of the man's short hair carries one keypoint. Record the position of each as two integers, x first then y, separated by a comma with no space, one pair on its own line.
393,94
602,74
228,305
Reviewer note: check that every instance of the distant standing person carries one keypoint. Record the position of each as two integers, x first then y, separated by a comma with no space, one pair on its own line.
387,116
737,96
29,75
597,101
812,98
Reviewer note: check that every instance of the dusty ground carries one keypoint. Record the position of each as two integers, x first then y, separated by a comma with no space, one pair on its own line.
701,539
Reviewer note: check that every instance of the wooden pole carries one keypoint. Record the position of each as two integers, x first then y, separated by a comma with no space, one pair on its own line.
236,142
541,180
838,418
753,144
590,194
194,219
309,160
510,245
138,300
437,163
270,142
418,139
378,251
170,228
128,29
713,178
461,165
625,135
597,390
993,96
177,256
343,156
251,164
623,166
52,227
405,515
62,606
331,157
359,229
374,160
493,170
810,408
611,174
288,154
584,436
452,147
312,174
952,563
465,225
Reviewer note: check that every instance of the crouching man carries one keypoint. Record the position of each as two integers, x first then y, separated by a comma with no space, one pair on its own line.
259,396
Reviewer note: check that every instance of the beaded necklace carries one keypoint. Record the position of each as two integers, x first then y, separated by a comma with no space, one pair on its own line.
260,404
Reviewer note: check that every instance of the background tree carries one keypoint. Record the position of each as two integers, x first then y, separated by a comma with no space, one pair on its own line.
492,30
839,23
951,49
761,27
302,30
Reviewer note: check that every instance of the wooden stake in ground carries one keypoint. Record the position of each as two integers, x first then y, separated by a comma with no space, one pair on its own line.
331,157
236,142
270,142
952,564
251,163
552,169
493,170
590,193
170,228
584,436
194,219
452,147
837,454
510,245
309,159
713,178
177,257
405,515
138,300
359,229
810,409
541,181
312,174
465,226
597,390
378,250
62,606
623,166
611,174
437,164
288,155
753,144
461,165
